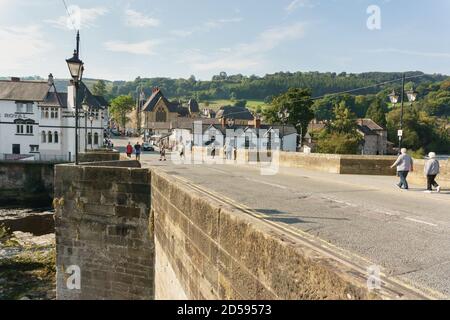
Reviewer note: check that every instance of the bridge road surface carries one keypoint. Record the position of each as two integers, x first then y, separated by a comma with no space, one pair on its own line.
406,233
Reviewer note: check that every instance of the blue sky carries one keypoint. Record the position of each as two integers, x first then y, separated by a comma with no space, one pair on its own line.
176,38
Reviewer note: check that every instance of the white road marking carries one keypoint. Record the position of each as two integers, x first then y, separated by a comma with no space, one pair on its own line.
422,222
268,183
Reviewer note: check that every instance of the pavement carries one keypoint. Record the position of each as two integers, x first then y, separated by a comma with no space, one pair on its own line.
367,218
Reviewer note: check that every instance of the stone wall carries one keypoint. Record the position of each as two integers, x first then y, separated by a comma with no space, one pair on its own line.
331,163
216,252
141,234
94,156
367,165
103,226
26,183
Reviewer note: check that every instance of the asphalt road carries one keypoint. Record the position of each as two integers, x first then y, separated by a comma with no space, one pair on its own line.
406,233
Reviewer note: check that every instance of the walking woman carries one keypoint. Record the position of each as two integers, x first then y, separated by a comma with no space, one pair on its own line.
431,170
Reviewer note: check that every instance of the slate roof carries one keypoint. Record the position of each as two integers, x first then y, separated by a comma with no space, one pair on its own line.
236,113
92,101
33,91
151,103
102,101
54,99
372,125
288,130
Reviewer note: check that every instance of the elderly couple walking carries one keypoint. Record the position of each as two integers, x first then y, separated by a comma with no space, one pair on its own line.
405,165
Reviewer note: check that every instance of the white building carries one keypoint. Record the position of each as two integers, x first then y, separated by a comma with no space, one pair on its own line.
239,136
38,123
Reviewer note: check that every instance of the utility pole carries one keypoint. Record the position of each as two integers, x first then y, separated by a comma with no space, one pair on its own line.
400,136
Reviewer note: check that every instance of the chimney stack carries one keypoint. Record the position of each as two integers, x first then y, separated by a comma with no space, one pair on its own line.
257,122
50,80
223,122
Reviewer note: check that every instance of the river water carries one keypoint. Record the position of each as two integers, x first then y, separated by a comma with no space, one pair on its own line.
27,251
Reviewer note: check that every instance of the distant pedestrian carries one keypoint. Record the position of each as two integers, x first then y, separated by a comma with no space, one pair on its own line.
162,153
182,150
404,166
431,170
230,151
129,150
137,150
213,151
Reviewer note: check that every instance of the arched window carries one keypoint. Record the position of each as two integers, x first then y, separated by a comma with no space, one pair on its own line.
56,137
161,115
96,138
43,137
46,113
50,137
89,138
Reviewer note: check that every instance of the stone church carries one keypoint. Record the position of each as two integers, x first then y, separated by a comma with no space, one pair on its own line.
159,115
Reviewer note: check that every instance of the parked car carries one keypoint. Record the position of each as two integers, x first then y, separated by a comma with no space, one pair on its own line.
147,147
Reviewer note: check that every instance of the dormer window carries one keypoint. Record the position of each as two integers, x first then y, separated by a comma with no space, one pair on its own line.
19,107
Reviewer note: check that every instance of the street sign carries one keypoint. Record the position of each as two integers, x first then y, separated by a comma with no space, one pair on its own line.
400,133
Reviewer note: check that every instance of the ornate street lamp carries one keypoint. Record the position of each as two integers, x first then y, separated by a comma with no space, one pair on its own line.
91,119
86,110
283,115
393,97
76,70
412,95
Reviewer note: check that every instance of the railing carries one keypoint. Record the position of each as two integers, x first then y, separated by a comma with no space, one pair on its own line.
35,157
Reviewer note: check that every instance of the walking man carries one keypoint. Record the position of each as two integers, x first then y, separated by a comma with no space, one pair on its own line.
431,170
404,165
137,150
129,150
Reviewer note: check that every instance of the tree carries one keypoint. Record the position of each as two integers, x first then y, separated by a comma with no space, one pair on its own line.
377,112
99,88
120,108
298,103
344,121
419,130
335,143
240,103
340,135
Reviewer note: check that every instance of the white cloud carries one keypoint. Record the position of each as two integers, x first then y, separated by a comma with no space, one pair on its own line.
295,4
181,33
137,19
141,48
205,27
244,55
80,18
22,48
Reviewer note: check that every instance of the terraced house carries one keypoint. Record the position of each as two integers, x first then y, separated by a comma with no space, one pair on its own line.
37,122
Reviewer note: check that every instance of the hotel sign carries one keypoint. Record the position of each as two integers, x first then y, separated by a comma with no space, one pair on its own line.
15,116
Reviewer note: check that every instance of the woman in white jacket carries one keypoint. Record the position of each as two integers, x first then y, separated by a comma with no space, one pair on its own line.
431,170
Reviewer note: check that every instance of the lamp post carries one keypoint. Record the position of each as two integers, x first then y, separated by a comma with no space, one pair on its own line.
283,115
76,71
86,110
91,119
393,97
